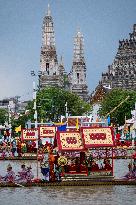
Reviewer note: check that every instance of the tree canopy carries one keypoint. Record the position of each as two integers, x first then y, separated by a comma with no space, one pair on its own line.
3,116
118,105
51,104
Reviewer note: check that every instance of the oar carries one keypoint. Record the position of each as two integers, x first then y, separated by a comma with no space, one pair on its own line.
19,184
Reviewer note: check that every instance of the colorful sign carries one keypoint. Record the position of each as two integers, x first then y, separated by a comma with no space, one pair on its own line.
77,121
97,137
29,134
71,141
47,131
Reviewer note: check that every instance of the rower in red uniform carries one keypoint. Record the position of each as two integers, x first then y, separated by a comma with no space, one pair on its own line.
107,165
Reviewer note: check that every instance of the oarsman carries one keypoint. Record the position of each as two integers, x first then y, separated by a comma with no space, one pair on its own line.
22,174
10,176
29,175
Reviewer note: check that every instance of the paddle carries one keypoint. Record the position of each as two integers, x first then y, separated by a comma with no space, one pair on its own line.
19,184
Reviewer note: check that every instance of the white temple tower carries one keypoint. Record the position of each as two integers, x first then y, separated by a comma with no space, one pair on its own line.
51,73
78,72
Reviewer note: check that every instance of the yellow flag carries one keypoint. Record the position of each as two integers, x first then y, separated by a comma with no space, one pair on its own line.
77,125
58,123
18,129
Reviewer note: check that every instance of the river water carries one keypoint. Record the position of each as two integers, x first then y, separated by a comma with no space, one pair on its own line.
93,195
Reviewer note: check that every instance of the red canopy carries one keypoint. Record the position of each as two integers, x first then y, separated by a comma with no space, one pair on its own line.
47,131
97,136
87,137
29,134
69,141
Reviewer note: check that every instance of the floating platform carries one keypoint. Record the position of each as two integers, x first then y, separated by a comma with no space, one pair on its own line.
35,158
19,158
114,182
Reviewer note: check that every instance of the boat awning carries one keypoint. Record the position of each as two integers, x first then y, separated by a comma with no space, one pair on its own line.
69,141
98,137
29,134
47,131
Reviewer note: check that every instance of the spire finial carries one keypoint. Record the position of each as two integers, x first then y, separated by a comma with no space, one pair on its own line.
48,11
134,28
78,31
61,60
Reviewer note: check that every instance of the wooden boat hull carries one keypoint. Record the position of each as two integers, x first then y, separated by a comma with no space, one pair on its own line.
72,183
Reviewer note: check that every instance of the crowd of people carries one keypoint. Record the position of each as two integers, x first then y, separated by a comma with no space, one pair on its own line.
117,152
16,148
97,161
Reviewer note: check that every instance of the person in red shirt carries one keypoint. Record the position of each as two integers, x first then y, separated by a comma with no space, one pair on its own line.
107,165
94,166
118,135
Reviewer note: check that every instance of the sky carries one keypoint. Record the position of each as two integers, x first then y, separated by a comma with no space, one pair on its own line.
102,22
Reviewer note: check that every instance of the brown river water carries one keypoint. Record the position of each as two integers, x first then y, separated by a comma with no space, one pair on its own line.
93,195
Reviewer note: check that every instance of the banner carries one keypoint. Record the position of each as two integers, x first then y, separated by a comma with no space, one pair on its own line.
62,127
29,134
98,137
18,129
47,131
68,140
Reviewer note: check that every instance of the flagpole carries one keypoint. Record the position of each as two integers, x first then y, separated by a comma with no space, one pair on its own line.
9,124
66,112
35,117
132,140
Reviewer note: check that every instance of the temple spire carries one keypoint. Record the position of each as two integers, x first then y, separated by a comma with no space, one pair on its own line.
78,72
61,66
78,47
48,11
78,30
134,28
48,59
61,60
122,72
49,62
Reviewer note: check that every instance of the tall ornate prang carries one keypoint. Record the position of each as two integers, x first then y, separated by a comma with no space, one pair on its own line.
122,72
51,75
78,72
52,72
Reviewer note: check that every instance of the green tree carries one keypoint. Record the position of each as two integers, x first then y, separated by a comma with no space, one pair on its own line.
114,104
23,118
3,116
51,104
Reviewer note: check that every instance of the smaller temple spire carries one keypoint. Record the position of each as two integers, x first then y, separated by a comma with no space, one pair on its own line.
78,47
79,32
48,11
78,72
61,60
61,66
134,28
